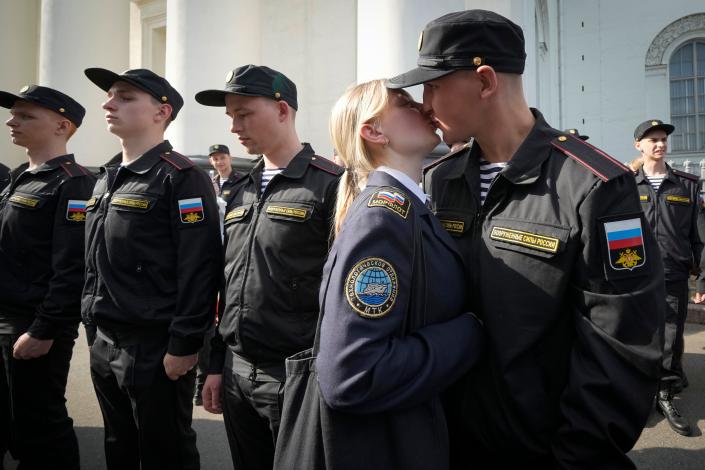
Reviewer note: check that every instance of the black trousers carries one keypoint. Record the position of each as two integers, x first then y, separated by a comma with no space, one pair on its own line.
36,427
147,416
252,397
676,312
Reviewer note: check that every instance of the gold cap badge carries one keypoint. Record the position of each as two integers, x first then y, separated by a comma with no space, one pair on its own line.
229,76
62,110
24,88
654,123
562,138
277,95
477,61
420,40
164,98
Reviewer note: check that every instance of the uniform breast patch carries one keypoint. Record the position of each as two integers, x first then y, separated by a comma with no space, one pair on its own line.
625,244
129,202
527,239
643,198
24,201
76,210
672,198
191,210
392,200
453,226
295,212
235,213
371,287
91,202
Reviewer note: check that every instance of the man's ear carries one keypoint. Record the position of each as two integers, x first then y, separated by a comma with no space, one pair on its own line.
637,145
284,110
164,113
371,134
488,80
64,127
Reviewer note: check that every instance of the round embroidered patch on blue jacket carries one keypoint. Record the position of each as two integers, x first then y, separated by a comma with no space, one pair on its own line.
371,287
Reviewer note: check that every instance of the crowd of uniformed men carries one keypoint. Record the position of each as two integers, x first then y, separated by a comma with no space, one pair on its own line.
576,266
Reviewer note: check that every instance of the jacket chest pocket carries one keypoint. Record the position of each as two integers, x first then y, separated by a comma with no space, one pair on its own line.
30,202
132,203
682,200
237,214
455,223
289,211
531,238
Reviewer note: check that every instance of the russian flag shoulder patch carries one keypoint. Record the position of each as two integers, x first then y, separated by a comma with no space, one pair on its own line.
191,210
624,243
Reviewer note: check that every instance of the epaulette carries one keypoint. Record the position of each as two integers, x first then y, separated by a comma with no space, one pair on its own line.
684,174
592,158
73,169
177,160
447,156
326,165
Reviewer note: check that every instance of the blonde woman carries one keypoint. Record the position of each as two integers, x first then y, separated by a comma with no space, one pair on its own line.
394,332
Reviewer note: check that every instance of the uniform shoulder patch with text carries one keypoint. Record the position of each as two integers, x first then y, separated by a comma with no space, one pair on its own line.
395,201
191,210
76,210
371,287
625,244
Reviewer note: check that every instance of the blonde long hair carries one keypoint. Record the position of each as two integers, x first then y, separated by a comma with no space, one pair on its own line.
360,104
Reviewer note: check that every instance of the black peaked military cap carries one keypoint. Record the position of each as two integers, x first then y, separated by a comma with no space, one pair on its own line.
465,40
252,80
144,79
650,125
218,148
47,98
576,133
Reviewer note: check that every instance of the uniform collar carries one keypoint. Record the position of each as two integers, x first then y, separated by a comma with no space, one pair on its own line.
144,162
296,167
382,178
525,165
404,179
50,165
670,175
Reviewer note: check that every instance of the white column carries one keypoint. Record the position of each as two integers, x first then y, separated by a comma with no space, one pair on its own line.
75,35
388,34
205,40
18,27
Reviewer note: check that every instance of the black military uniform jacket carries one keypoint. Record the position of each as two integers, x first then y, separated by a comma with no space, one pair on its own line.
153,253
566,274
225,190
276,243
673,213
42,217
4,176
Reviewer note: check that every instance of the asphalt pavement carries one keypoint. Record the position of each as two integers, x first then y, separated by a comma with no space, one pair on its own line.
658,448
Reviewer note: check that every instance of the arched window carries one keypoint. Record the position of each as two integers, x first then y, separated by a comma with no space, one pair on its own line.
687,76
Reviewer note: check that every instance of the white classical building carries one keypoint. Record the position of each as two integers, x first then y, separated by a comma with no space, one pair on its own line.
601,66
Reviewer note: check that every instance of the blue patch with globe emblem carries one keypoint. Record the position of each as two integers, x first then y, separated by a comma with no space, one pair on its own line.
371,287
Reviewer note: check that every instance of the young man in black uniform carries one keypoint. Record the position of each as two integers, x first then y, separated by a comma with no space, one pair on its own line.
564,269
222,163
153,264
277,234
42,218
669,199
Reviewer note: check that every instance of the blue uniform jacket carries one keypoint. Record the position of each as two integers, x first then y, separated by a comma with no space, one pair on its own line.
371,358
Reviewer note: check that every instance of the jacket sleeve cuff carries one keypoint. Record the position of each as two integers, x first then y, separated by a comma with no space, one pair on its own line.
216,362
181,346
42,329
